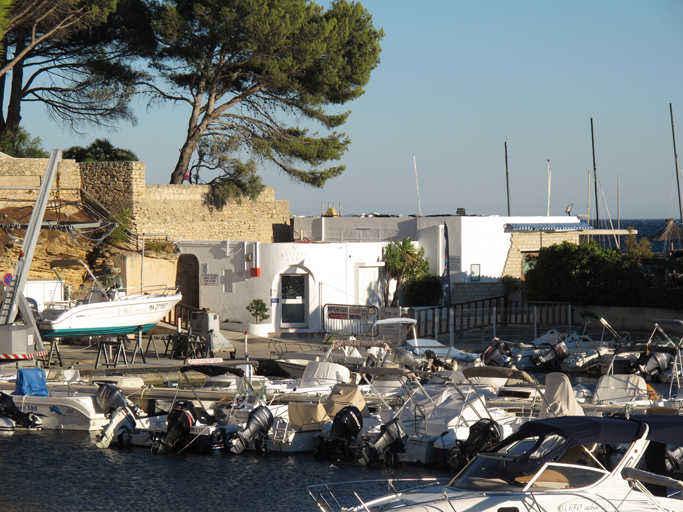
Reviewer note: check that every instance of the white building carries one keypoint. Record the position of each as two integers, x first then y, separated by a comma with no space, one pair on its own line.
338,260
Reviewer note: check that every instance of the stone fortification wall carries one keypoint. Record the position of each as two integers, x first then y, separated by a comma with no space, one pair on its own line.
118,186
182,213
466,292
28,172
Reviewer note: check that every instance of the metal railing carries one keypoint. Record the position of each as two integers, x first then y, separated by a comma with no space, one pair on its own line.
180,312
348,318
486,313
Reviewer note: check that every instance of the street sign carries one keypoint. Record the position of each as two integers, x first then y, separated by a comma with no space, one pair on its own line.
7,279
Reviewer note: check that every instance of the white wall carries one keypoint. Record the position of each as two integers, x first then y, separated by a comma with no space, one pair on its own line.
333,274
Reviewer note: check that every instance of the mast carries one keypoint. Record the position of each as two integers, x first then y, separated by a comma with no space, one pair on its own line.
678,184
417,185
595,175
507,176
547,211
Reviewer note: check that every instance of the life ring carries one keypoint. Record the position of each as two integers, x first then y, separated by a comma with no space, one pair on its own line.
652,394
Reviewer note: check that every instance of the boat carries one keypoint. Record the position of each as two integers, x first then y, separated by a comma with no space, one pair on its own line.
570,463
107,310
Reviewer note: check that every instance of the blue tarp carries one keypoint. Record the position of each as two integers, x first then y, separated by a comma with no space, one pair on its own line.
549,226
31,382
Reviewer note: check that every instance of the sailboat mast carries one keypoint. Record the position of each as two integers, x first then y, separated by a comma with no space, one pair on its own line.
547,211
417,185
595,175
507,176
678,184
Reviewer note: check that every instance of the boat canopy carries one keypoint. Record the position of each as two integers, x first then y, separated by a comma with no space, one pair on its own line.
360,343
574,431
379,371
496,372
664,321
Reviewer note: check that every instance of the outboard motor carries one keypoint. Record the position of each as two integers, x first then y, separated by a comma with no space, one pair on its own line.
438,364
408,359
674,459
391,441
120,411
346,426
259,422
483,434
656,363
8,409
498,354
180,421
551,359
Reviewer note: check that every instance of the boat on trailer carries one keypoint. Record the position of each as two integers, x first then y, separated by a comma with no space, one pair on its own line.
108,308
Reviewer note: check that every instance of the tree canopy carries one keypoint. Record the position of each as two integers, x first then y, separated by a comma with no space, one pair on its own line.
243,66
101,150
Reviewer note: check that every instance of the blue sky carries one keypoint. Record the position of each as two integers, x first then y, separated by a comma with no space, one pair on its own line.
458,79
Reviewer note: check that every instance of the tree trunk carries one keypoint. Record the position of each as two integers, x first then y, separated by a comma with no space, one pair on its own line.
14,106
183,164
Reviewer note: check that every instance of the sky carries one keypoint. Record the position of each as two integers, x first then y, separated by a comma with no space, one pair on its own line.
457,80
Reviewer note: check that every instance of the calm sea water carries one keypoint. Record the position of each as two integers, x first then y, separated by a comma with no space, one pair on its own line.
646,228
51,470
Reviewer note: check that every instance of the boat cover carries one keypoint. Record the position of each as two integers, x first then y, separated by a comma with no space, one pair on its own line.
319,373
663,429
620,388
496,372
306,415
575,430
560,397
343,395
31,382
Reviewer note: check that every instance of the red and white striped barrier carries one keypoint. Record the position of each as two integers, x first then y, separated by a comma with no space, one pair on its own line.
14,357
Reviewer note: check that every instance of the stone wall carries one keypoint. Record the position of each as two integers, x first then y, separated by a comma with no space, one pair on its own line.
466,292
28,172
530,242
118,186
181,212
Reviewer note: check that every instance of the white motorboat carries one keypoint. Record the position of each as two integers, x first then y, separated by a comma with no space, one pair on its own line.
555,464
106,309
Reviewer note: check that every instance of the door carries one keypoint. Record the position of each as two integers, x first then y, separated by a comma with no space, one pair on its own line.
293,300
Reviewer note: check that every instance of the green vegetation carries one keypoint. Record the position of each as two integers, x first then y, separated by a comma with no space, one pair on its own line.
119,234
101,150
19,144
588,274
245,67
407,265
258,310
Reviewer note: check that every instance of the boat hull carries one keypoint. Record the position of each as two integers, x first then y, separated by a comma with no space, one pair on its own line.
102,318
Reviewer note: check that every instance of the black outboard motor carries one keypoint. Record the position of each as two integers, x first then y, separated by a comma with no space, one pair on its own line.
391,441
483,434
180,421
346,426
656,363
111,397
552,359
8,409
674,459
259,422
498,354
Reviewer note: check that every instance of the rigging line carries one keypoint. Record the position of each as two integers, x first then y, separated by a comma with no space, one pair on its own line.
604,200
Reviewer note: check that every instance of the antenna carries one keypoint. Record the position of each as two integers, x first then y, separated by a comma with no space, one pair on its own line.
547,212
417,185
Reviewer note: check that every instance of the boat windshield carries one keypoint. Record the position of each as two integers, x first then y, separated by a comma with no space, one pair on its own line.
492,472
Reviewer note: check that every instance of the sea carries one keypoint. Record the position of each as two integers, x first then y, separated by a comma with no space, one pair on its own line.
52,470
646,228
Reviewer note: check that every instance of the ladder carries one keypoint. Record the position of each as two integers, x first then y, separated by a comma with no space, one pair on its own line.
280,430
8,307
